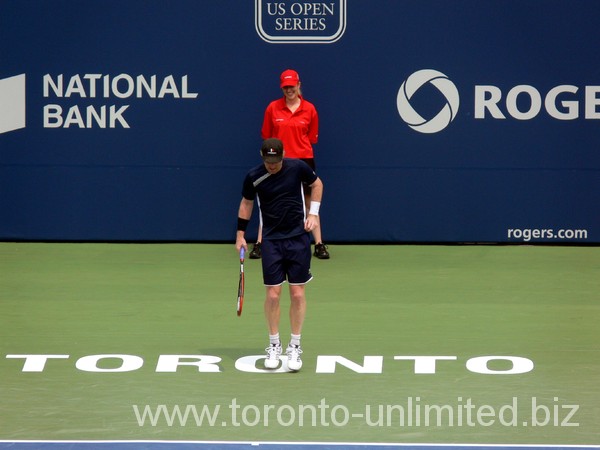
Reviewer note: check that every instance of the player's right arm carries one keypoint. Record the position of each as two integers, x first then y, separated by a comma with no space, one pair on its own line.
244,215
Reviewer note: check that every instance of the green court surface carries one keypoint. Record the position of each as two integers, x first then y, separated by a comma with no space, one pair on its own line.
507,336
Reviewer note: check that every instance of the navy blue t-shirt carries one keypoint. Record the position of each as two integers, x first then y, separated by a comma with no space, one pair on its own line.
280,197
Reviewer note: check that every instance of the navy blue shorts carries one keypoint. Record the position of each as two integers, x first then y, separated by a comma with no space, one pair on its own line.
286,259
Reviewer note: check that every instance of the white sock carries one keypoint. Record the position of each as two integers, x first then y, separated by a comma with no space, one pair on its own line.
274,339
295,340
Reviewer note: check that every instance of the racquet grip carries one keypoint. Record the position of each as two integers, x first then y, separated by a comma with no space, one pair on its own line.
242,253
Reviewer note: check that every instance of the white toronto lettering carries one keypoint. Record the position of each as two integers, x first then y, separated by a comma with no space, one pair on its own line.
326,364
425,364
204,363
35,363
371,364
480,365
128,363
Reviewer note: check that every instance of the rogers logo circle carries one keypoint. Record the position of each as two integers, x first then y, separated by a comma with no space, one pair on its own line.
412,84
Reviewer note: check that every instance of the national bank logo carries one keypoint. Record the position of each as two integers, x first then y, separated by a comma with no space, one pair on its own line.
90,100
413,84
12,103
300,22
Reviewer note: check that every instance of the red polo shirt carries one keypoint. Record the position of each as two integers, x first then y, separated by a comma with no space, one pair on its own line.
297,130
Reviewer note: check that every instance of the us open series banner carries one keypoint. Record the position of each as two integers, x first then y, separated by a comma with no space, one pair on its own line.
463,121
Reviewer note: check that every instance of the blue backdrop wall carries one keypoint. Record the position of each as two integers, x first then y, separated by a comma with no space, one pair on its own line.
461,121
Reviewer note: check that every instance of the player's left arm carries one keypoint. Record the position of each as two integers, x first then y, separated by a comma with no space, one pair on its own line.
316,194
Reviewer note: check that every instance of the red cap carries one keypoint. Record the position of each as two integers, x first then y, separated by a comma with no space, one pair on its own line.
289,78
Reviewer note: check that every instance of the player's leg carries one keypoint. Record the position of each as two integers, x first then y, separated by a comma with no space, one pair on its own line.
297,308
272,315
297,315
272,308
298,274
273,277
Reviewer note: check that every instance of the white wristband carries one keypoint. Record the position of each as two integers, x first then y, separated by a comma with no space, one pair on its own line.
314,208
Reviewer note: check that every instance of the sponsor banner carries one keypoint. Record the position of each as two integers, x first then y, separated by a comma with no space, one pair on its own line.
443,127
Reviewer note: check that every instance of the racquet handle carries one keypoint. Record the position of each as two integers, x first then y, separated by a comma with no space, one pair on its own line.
242,253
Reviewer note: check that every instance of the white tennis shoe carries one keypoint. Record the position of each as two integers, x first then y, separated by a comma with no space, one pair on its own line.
293,353
273,354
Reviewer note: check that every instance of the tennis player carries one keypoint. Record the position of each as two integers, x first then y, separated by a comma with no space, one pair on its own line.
277,185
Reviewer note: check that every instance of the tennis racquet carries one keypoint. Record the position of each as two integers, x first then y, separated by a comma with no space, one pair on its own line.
240,298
